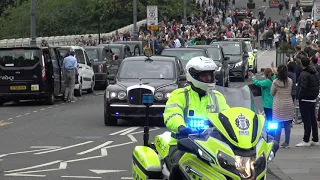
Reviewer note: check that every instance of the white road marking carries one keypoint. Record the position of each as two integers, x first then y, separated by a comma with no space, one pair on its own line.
56,105
28,172
18,116
265,9
23,152
104,152
121,131
35,111
105,171
49,107
34,167
63,165
45,147
10,118
24,175
261,54
129,131
133,139
82,159
42,109
126,178
117,145
139,132
82,177
26,114
95,148
60,149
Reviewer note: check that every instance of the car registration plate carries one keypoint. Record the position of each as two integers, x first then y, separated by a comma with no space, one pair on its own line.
18,88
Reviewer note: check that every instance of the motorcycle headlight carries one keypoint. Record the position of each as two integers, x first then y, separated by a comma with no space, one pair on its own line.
204,156
238,64
159,96
113,94
167,95
122,95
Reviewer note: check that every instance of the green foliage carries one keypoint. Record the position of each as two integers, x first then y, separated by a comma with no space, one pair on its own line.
61,17
286,48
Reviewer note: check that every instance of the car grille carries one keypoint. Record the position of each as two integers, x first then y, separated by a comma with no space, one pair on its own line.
231,66
135,95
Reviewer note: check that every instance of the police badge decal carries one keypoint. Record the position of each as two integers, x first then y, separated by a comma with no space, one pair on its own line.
243,124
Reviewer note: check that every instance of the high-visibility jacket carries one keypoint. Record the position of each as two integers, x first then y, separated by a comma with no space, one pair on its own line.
185,103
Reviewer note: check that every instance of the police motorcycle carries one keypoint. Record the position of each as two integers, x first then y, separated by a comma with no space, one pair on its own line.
231,145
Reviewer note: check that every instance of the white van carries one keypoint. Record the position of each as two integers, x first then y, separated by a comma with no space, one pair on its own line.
306,4
86,79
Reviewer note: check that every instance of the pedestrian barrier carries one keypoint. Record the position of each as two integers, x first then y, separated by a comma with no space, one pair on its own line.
64,40
281,57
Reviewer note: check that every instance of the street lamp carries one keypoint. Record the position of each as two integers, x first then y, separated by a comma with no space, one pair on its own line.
33,32
135,14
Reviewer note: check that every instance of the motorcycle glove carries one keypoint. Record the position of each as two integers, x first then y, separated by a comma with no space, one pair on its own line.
184,130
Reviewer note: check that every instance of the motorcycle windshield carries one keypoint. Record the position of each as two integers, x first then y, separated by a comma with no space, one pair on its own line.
236,97
239,123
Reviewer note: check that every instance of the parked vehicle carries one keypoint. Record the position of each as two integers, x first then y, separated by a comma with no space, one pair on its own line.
29,73
86,79
99,55
136,47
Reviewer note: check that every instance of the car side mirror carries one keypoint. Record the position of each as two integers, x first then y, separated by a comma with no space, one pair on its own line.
182,77
255,50
111,77
226,58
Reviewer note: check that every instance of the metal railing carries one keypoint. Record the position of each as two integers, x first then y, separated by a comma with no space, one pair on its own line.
63,40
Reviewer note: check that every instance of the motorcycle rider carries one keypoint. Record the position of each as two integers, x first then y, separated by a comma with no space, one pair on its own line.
188,102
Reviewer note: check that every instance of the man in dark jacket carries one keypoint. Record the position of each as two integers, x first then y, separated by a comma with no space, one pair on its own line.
308,90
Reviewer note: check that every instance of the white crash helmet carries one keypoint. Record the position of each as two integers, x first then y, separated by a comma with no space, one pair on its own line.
197,65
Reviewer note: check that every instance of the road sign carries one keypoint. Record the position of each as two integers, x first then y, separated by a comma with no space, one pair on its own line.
152,15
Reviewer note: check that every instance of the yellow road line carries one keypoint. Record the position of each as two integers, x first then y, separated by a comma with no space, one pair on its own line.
3,123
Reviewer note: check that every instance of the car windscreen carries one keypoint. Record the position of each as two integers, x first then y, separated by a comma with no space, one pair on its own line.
231,48
249,48
146,70
214,54
116,51
93,54
184,56
19,57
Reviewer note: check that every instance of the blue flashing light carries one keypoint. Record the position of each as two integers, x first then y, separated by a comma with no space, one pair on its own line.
131,98
196,123
117,113
272,125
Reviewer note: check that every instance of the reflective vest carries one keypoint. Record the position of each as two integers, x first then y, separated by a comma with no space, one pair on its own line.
185,103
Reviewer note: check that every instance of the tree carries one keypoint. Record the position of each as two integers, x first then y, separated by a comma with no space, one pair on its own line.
60,17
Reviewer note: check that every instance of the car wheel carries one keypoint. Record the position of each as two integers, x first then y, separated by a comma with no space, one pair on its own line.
109,120
50,99
92,87
78,92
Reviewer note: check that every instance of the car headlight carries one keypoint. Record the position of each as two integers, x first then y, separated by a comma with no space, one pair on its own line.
113,94
122,95
167,95
238,64
158,96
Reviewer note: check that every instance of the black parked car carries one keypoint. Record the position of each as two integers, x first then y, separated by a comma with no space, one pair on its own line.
238,53
137,76
99,55
119,52
215,52
184,54
136,47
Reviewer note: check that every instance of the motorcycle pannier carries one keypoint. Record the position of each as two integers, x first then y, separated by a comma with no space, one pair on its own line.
145,164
